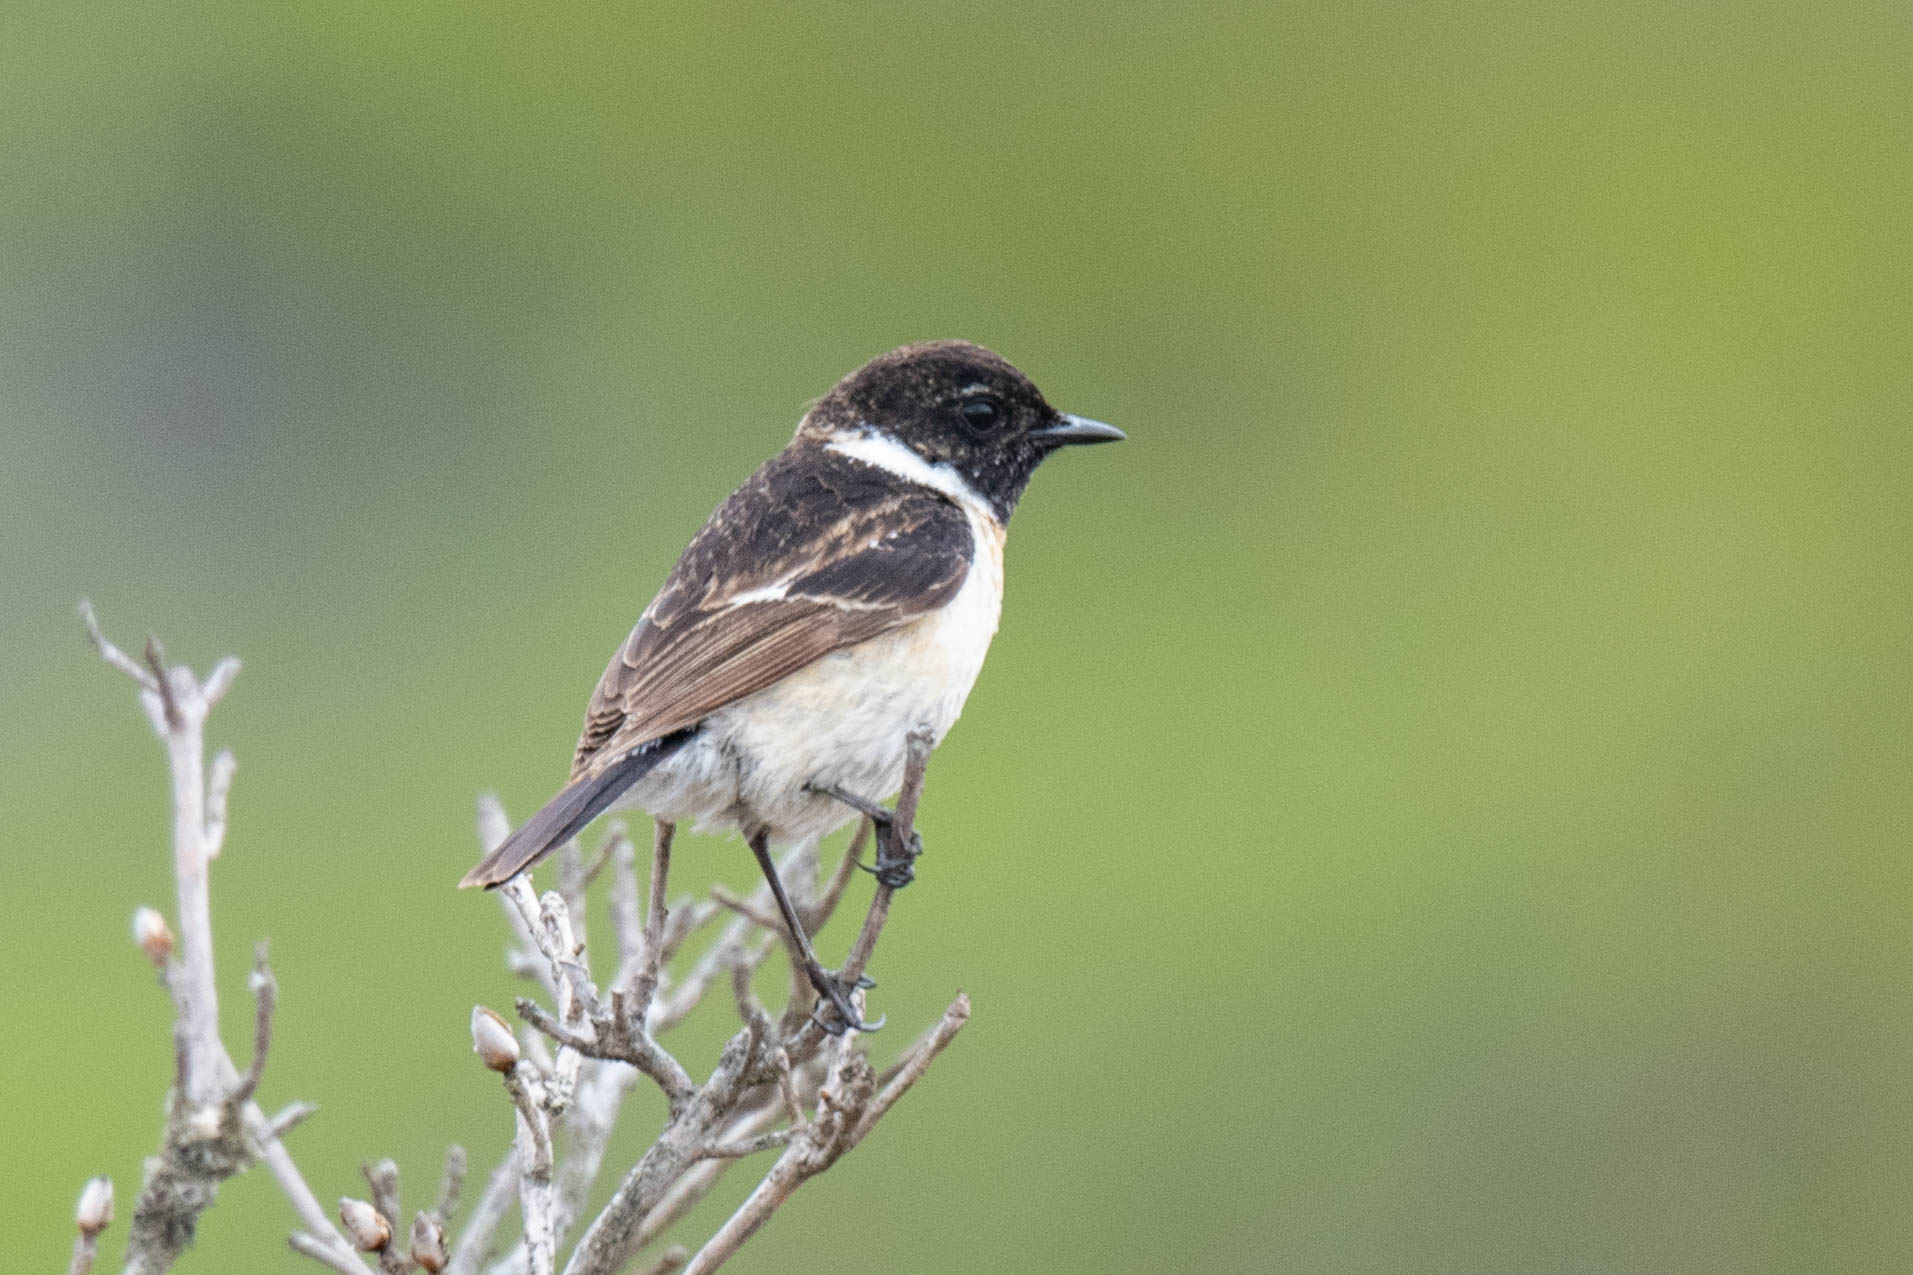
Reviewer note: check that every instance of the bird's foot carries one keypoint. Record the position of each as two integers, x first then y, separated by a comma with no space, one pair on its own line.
833,995
897,851
896,858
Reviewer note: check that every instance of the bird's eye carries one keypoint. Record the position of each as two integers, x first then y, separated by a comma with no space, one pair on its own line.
982,414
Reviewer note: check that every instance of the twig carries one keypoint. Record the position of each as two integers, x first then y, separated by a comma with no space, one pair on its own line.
643,980
475,1242
737,1150
905,821
290,1117
611,1239
534,1157
325,1253
93,1214
383,1179
812,1149
627,911
522,957
213,1128
668,1261
914,1064
265,994
450,1182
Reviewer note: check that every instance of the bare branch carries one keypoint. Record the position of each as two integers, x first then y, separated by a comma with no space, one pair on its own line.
668,1261
265,993
112,654
293,1184
810,1151
213,1128
753,1100
325,1253
450,1183
787,1087
687,1189
914,1064
748,1146
840,878
760,917
627,920
687,918
290,1117
522,958
164,681
220,680
93,1214
915,765
612,1237
602,859
218,786
642,978
534,1158
571,886
475,1243
548,1023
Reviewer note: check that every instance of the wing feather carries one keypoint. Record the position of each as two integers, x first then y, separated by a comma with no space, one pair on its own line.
814,553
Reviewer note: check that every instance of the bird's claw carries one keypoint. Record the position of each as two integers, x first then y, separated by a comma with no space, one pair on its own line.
831,994
897,863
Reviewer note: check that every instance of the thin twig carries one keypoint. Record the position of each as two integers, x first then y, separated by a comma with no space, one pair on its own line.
644,981
383,1180
112,654
810,1151
914,1064
265,994
627,910
522,957
737,1150
450,1182
915,764
670,1260
325,1253
93,1214
475,1242
290,1117
534,1158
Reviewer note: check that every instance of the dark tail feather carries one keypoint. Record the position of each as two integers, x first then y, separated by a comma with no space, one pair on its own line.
564,816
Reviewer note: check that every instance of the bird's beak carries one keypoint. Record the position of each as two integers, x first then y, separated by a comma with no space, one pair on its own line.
1075,429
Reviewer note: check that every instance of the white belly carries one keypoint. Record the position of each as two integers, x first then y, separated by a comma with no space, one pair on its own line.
841,721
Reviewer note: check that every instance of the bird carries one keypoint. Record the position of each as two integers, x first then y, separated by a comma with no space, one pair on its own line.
838,603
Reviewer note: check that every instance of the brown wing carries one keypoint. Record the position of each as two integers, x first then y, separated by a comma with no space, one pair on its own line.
815,552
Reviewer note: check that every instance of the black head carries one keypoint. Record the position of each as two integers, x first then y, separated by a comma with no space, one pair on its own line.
960,405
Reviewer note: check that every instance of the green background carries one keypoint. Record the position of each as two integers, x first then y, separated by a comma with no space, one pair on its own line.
1439,799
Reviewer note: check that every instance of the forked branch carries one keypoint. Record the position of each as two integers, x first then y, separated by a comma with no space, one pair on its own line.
780,1085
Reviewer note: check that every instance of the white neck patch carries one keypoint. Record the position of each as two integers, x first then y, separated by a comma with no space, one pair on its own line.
887,454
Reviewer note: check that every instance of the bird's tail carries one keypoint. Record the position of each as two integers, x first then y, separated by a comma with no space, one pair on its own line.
564,816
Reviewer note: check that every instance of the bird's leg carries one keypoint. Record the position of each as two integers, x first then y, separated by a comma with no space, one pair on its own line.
827,986
897,849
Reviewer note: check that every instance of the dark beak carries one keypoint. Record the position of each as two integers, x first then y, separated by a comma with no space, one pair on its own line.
1075,429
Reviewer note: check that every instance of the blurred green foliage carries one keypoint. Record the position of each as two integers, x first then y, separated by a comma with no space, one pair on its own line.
1440,797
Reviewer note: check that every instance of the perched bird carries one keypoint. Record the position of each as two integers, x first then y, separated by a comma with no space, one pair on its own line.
839,601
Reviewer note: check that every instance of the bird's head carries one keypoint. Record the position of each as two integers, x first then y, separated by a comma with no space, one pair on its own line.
958,407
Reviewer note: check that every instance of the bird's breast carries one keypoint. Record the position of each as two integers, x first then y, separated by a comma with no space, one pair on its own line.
842,720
